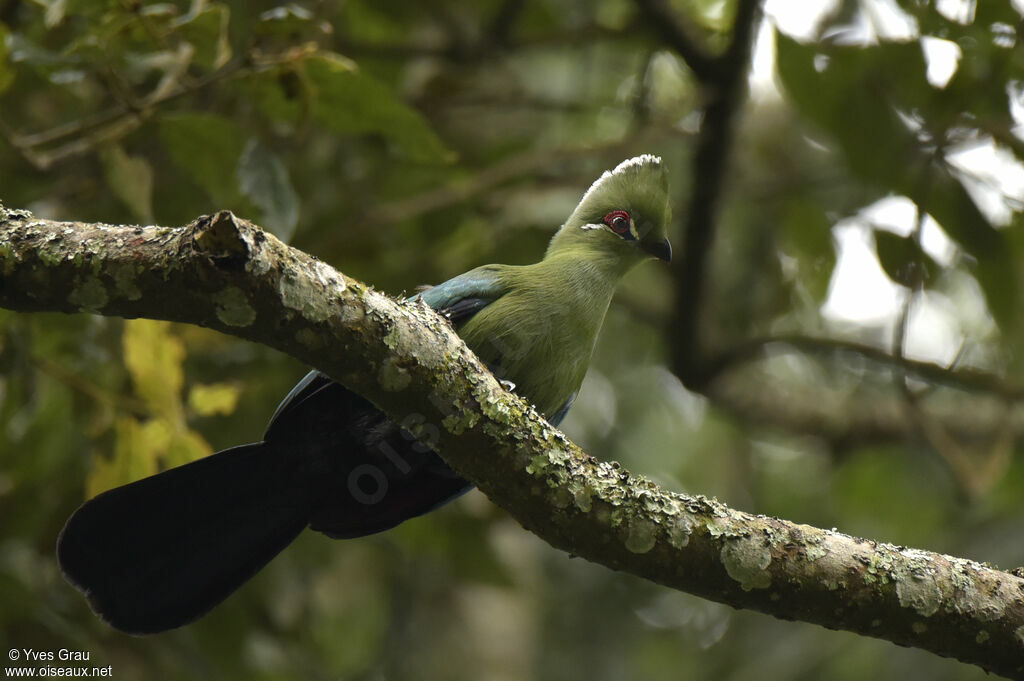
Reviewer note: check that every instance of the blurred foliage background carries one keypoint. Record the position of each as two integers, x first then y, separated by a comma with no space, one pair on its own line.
850,357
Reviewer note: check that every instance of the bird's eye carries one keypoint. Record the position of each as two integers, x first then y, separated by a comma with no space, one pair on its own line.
618,220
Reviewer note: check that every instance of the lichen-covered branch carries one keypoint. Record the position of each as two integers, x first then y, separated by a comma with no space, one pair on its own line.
224,273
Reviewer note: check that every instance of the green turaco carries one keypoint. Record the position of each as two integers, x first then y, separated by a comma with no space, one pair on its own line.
162,551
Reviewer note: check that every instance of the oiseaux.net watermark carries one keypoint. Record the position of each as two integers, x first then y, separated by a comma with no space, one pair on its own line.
31,663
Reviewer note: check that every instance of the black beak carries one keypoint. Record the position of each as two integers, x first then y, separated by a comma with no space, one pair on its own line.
662,250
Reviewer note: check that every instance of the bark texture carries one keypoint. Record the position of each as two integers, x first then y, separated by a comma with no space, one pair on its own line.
224,273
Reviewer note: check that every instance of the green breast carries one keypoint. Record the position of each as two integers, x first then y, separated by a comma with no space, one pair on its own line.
540,335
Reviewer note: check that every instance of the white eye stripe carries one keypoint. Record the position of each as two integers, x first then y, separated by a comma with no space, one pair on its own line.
632,228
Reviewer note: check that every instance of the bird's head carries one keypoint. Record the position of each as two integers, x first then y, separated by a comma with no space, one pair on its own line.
625,214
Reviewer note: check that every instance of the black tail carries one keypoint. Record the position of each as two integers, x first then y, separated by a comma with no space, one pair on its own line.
161,552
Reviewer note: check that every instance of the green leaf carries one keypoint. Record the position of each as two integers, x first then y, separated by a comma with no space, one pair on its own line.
901,257
185,447
207,31
996,271
153,358
207,147
349,101
807,234
131,180
263,178
138,447
280,93
851,93
212,399
807,230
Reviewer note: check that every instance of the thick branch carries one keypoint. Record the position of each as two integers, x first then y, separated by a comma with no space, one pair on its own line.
223,273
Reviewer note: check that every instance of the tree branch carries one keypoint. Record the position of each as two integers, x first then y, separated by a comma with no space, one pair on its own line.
223,273
666,23
723,86
966,378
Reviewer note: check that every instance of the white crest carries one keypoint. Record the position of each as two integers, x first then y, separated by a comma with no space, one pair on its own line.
641,160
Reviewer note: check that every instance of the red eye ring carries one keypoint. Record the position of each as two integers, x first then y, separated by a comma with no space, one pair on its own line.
618,220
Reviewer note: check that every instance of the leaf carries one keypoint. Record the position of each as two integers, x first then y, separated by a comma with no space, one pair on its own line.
131,180
207,31
950,204
263,178
213,398
154,358
186,446
854,93
207,147
280,93
850,93
807,234
349,101
137,450
901,257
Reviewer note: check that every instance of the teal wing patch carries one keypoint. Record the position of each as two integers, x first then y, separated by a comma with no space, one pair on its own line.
461,297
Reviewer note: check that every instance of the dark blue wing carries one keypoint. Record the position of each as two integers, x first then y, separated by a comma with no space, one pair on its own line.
457,299
310,383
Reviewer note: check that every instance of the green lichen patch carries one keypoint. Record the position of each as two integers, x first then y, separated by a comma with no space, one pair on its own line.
678,529
746,559
641,535
879,567
301,294
90,295
961,574
723,526
987,602
233,307
815,550
496,406
538,465
919,590
581,494
124,276
11,214
51,251
461,420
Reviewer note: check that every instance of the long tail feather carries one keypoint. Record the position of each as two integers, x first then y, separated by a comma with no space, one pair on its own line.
161,552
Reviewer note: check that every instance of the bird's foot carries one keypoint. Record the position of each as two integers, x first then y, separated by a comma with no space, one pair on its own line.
507,385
